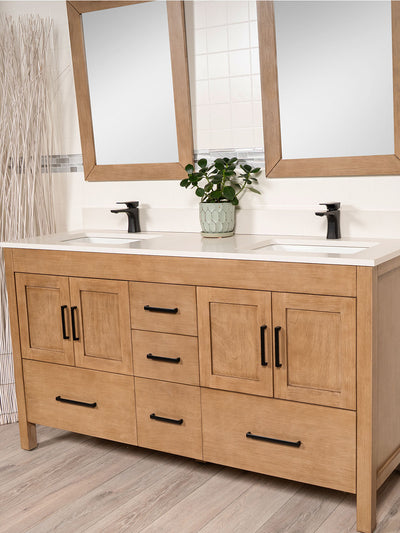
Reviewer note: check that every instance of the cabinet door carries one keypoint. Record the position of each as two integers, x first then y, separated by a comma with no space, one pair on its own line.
43,304
102,336
235,340
315,344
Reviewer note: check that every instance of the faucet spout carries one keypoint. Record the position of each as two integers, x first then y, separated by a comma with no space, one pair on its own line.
133,215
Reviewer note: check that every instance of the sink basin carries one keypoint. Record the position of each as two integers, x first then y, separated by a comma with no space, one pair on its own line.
313,247
107,239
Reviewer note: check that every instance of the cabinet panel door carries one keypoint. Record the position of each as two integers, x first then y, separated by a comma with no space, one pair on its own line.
101,313
317,349
232,336
42,303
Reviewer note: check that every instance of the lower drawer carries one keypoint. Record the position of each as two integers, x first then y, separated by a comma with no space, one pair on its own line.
94,403
307,443
169,417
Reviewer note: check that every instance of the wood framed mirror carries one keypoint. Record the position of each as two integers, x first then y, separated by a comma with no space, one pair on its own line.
381,160
132,89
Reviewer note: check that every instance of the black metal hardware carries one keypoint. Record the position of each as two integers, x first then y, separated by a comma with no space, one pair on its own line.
74,335
64,331
161,309
76,402
278,364
179,422
296,444
333,217
133,215
262,338
175,360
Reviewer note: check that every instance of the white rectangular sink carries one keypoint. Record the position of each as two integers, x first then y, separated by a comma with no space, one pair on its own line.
107,239
306,247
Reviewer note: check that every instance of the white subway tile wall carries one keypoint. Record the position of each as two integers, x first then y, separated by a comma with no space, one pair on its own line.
224,75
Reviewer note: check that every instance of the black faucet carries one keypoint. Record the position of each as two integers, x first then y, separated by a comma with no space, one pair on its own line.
333,216
133,215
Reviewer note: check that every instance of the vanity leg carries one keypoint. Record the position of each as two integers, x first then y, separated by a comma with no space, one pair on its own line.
366,398
27,435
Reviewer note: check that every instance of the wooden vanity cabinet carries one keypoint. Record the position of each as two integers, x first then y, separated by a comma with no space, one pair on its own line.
287,369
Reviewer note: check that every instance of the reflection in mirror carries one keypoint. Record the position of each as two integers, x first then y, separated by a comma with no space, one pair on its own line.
132,88
335,78
330,87
131,93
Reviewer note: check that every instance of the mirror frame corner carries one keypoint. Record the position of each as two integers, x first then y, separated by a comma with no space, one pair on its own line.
275,166
180,76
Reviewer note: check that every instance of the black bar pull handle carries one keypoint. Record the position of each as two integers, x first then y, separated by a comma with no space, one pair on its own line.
278,364
74,334
262,338
179,422
76,402
296,444
64,329
172,311
175,360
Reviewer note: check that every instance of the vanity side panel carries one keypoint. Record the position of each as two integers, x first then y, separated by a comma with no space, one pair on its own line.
27,431
335,280
388,371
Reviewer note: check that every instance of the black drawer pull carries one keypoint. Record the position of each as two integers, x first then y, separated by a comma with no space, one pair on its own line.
64,331
262,338
74,335
175,360
179,422
297,444
161,309
278,364
76,402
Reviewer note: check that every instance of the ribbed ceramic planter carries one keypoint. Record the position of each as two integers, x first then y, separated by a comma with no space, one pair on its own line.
217,220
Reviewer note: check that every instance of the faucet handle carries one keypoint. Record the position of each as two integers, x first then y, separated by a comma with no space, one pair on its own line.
130,204
331,206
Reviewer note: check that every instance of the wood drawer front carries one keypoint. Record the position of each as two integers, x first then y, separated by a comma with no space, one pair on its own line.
113,417
174,402
166,297
326,456
181,363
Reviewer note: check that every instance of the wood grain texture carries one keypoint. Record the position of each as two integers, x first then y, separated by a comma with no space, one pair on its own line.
230,340
181,297
102,318
40,299
166,345
317,349
332,280
388,373
173,401
326,457
367,354
112,418
85,6
27,430
276,167
180,76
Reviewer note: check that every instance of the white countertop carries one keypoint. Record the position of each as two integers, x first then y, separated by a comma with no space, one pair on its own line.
296,249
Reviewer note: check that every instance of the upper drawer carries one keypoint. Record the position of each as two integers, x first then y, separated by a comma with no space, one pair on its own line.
163,307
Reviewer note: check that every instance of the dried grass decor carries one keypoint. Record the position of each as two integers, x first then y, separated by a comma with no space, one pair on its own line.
26,195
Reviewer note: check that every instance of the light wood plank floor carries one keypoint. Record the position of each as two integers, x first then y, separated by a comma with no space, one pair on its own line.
72,483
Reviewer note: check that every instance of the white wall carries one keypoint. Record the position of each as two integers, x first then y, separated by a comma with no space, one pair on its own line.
226,114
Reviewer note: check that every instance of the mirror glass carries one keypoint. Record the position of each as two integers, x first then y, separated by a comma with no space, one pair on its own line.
335,78
130,84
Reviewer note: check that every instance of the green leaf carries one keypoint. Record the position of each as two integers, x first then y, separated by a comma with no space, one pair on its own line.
189,168
202,163
229,193
219,164
208,187
247,168
200,192
216,195
255,170
233,160
184,183
252,189
235,201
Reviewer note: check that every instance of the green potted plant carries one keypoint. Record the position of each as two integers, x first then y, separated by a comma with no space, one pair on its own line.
219,186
